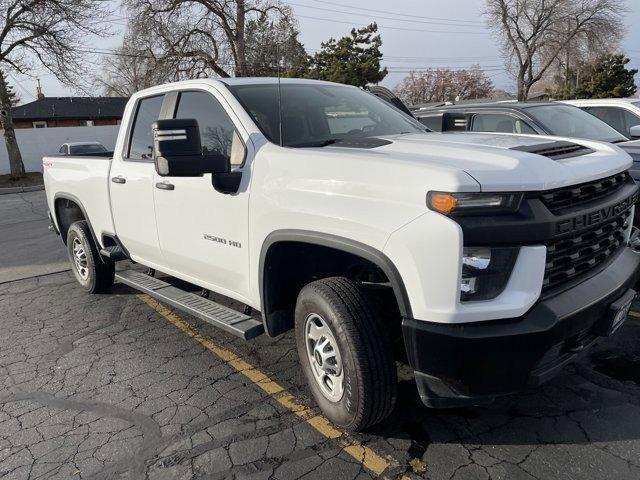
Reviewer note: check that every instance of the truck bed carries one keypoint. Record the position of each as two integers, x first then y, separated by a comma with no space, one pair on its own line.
85,180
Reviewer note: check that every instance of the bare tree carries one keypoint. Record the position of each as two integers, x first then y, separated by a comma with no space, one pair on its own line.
135,65
203,36
48,34
444,85
535,33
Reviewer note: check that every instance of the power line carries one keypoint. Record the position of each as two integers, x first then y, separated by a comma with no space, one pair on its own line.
426,22
99,51
396,28
399,14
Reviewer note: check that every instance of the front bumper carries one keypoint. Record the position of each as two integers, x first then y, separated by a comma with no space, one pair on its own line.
472,363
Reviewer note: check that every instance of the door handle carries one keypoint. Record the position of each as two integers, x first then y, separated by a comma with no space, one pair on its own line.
118,180
165,186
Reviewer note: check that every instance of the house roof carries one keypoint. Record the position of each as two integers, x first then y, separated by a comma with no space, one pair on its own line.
90,108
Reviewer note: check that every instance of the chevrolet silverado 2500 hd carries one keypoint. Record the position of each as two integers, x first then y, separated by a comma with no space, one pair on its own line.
487,261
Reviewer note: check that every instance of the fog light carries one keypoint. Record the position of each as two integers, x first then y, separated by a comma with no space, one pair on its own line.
485,271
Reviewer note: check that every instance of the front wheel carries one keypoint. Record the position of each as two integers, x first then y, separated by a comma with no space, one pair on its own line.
94,273
346,355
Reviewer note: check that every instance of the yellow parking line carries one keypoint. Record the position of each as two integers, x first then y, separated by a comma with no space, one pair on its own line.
634,314
363,454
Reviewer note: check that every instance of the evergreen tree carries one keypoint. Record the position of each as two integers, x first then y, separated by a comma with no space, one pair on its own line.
353,59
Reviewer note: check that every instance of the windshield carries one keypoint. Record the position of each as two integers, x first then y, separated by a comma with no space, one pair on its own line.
83,149
319,115
567,121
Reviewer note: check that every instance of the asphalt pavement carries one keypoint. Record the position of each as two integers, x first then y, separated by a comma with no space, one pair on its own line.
118,386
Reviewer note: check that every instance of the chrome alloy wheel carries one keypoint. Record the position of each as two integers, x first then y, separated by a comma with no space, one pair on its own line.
324,357
80,258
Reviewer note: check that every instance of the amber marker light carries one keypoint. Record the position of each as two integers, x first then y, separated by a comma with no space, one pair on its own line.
442,202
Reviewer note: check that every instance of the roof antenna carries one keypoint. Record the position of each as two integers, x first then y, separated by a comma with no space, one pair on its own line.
279,93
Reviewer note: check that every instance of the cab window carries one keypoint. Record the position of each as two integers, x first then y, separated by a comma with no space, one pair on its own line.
216,128
141,143
500,123
619,118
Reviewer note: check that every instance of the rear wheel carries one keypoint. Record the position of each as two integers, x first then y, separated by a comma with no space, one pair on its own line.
345,353
94,273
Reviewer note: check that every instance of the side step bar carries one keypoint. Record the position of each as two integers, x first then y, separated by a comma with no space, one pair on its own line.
114,253
229,320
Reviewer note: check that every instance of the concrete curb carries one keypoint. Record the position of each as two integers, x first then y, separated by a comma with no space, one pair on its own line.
33,188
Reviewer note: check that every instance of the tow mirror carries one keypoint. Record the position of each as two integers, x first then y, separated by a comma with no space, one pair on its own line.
635,131
454,122
177,150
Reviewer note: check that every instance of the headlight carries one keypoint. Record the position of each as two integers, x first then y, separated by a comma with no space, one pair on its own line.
485,271
473,203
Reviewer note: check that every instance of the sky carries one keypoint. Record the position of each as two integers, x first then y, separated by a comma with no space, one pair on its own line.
416,35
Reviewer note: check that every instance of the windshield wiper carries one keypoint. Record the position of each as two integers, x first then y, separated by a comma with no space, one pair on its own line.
321,143
620,141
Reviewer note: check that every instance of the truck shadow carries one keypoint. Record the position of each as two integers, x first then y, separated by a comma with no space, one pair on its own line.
595,400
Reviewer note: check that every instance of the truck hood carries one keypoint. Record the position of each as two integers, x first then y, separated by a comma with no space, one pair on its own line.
491,159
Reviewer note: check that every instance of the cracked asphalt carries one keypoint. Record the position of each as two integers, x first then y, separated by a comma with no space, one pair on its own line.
107,387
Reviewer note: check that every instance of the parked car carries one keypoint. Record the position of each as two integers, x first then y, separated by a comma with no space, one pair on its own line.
549,118
490,263
623,114
83,148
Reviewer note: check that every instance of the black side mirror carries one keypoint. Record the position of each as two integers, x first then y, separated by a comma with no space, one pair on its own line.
177,150
454,122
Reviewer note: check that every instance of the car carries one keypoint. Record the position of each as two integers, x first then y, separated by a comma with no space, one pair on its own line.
623,114
83,148
534,118
485,261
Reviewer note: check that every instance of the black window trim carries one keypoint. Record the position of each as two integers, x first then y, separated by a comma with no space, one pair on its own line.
125,153
172,110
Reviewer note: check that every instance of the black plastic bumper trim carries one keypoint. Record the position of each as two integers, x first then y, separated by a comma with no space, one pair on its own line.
471,363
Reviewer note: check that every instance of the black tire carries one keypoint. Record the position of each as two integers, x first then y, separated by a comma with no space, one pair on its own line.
97,273
365,348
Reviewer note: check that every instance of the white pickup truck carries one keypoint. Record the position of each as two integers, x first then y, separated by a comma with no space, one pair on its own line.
485,261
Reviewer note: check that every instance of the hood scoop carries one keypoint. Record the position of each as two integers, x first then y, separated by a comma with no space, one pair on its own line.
556,150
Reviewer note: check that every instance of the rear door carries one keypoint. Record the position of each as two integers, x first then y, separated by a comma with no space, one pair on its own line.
203,233
131,185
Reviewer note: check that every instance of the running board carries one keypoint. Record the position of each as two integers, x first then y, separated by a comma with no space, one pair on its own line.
229,320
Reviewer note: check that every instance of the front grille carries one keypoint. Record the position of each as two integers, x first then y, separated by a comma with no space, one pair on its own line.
576,255
561,198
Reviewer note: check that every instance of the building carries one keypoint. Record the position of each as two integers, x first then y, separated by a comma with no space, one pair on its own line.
49,112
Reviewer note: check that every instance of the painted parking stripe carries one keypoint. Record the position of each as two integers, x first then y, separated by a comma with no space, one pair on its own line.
634,314
371,460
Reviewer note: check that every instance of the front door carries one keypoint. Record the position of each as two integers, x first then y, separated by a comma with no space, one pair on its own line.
131,186
203,233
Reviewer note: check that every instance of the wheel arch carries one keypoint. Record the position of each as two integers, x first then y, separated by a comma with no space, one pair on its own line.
273,325
64,220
